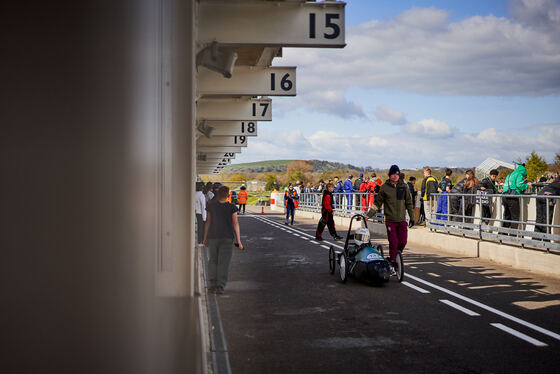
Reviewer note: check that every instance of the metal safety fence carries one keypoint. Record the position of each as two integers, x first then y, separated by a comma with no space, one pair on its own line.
526,220
345,204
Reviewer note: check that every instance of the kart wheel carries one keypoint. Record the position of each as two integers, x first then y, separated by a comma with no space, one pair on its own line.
379,249
332,259
343,267
399,267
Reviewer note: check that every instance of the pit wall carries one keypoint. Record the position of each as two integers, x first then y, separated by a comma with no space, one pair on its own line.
517,257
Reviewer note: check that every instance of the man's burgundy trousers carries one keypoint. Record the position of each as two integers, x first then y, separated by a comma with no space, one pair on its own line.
397,233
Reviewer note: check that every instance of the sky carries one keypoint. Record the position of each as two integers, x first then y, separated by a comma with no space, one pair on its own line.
439,83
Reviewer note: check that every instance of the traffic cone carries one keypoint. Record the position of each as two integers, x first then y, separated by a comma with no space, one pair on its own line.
262,210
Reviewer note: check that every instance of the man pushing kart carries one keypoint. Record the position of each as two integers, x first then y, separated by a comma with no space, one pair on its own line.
395,197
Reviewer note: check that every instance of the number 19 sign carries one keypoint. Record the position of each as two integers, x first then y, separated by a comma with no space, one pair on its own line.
272,23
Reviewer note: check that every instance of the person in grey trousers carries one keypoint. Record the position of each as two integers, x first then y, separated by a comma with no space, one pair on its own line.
220,233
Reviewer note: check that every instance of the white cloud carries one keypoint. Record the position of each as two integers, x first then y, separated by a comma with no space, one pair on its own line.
405,148
333,102
387,114
431,128
424,18
422,51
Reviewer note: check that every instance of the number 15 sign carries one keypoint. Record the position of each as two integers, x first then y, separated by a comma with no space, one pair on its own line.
272,23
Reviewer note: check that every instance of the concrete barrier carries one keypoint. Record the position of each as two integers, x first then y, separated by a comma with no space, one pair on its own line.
521,258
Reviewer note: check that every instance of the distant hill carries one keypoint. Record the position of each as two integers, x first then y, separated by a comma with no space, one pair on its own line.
273,166
280,166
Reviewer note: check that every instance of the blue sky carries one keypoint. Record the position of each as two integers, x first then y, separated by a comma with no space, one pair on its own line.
441,83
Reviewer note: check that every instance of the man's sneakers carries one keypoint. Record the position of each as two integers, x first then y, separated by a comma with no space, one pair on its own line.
337,237
318,238
286,223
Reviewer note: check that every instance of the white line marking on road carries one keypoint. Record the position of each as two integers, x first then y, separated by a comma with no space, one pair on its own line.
289,229
314,242
519,335
459,307
449,292
415,287
488,308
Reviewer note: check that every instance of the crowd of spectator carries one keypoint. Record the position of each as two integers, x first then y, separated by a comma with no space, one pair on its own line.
467,193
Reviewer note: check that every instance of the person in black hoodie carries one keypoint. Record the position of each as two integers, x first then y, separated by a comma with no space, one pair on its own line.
487,187
358,182
470,187
455,201
327,208
552,189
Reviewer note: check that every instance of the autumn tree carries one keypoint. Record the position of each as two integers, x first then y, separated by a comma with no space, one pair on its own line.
535,165
237,178
270,181
299,170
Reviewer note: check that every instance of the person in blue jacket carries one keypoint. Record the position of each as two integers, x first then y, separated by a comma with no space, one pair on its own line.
337,190
348,187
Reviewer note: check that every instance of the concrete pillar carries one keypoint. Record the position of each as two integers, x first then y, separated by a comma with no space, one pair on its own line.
82,195
175,253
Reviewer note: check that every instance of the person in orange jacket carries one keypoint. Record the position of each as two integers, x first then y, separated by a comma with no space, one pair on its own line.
372,185
242,199
291,199
364,187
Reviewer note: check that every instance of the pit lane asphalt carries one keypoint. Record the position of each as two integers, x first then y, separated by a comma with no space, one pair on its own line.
283,312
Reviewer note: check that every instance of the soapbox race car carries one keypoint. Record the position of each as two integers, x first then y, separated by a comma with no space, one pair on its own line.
362,260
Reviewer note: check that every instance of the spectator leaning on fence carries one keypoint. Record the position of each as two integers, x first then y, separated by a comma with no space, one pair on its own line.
552,189
444,188
427,188
373,188
514,185
487,186
364,187
377,181
470,188
358,182
337,191
455,202
348,187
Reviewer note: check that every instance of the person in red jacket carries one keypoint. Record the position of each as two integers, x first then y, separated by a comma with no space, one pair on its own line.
327,207
372,184
364,187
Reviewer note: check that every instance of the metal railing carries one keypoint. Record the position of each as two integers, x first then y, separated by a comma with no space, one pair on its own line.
526,220
345,204
479,216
